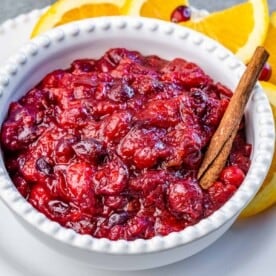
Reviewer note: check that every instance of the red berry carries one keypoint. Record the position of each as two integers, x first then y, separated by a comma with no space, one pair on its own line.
219,193
39,197
80,186
181,13
63,150
115,202
118,219
266,72
58,208
232,175
185,198
142,147
116,232
44,165
137,226
90,150
111,179
148,181
115,126
84,65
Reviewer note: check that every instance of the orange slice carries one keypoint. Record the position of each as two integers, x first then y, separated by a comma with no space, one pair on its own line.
240,28
266,196
270,45
154,8
64,11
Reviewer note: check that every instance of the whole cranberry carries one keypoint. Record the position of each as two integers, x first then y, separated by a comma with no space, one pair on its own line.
160,113
137,226
181,13
112,178
232,175
63,150
45,165
116,232
148,181
266,72
115,126
115,202
219,193
90,150
185,198
118,218
58,207
79,185
39,197
84,65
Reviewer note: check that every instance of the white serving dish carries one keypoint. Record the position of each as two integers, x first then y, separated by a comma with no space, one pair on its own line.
90,38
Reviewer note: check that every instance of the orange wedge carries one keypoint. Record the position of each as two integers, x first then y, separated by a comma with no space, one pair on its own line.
270,45
64,11
266,196
240,28
153,8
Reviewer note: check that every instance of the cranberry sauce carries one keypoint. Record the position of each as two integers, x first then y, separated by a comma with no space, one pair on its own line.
111,147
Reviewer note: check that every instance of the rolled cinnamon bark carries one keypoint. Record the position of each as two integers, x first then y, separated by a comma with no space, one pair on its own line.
222,140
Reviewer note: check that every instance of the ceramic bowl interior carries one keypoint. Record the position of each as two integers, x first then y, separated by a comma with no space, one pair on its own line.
91,38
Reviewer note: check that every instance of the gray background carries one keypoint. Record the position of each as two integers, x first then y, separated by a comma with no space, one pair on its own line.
12,8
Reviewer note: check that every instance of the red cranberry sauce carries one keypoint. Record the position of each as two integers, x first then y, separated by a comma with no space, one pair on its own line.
111,147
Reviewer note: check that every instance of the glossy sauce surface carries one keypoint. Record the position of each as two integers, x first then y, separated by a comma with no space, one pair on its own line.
111,147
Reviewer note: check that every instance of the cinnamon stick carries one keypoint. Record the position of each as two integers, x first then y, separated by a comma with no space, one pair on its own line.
222,140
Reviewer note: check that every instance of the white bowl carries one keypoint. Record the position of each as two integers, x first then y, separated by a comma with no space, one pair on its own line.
91,38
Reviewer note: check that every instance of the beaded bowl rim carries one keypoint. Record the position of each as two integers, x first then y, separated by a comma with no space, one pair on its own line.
260,164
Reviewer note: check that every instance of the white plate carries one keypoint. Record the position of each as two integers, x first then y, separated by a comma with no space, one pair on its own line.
248,248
